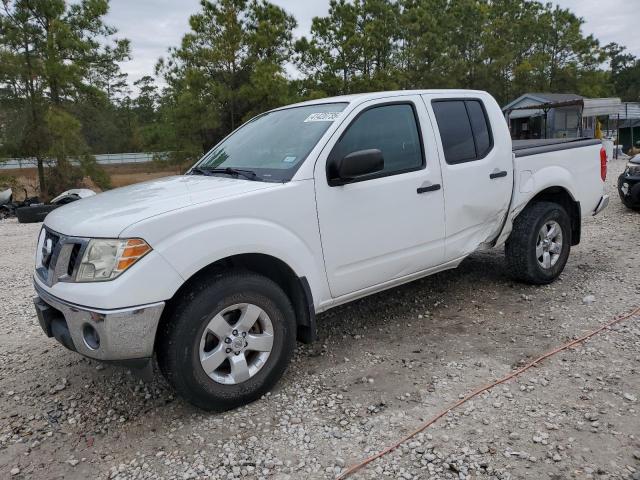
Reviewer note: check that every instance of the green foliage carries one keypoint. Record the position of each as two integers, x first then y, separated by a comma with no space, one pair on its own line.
229,67
68,148
625,72
53,58
90,168
354,49
504,46
8,181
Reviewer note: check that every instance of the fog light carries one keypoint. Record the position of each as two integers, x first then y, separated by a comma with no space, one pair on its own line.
91,337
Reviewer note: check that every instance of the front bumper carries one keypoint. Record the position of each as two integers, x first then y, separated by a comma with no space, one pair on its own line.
110,335
629,189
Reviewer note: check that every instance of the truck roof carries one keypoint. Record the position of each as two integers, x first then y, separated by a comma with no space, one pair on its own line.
361,97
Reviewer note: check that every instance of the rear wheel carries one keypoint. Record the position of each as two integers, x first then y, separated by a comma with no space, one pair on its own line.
538,247
227,342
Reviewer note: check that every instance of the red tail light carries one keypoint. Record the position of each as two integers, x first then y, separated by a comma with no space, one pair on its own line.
603,164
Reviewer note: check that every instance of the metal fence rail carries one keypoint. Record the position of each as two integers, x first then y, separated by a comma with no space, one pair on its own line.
104,159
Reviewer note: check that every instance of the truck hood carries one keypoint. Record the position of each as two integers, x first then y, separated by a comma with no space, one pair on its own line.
109,213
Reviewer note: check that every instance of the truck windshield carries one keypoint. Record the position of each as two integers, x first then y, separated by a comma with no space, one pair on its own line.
273,145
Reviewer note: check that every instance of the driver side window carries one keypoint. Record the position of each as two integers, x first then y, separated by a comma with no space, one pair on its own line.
392,129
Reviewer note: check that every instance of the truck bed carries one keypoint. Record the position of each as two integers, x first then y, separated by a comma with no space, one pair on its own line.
572,164
523,148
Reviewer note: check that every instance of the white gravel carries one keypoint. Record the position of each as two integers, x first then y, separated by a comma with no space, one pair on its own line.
382,366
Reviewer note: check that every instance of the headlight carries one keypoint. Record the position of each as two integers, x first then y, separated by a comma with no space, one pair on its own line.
41,237
633,169
105,259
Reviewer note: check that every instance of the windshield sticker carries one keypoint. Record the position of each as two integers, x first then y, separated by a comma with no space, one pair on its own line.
322,117
289,159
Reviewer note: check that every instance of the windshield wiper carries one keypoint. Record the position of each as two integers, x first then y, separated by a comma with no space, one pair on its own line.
200,171
248,174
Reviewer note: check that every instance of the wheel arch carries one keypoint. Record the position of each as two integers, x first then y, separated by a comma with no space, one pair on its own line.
296,288
564,198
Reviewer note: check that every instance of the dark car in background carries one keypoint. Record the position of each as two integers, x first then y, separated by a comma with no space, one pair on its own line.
629,184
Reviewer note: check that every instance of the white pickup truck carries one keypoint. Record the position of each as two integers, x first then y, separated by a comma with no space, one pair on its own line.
303,208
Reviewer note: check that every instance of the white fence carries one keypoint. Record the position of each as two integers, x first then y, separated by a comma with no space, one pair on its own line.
105,159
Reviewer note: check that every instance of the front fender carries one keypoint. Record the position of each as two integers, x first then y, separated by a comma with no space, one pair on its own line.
236,236
280,222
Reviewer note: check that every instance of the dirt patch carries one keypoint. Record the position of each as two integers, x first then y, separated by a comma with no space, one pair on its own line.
121,175
124,179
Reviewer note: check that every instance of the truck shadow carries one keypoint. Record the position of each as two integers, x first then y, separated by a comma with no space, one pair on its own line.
478,272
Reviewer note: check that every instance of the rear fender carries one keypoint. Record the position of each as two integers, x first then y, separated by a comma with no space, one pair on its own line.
530,185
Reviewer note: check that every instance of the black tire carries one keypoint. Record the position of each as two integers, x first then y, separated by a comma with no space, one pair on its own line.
520,249
629,204
34,213
178,343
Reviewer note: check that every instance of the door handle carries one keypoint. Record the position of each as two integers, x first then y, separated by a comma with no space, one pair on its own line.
430,188
497,174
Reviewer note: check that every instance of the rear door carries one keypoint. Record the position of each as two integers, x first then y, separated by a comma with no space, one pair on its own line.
391,224
477,170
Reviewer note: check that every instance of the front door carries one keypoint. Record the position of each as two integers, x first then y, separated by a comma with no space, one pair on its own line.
391,224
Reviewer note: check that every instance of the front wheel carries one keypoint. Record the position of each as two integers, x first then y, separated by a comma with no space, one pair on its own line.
228,341
538,247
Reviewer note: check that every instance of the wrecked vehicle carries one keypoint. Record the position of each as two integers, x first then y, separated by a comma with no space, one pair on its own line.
72,195
301,209
629,184
6,196
8,205
34,211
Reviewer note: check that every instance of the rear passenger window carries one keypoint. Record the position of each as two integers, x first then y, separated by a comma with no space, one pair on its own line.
455,131
480,128
464,130
390,128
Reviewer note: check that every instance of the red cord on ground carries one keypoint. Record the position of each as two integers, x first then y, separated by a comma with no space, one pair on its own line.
425,425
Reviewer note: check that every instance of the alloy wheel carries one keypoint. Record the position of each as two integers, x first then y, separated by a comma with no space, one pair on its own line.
236,343
549,244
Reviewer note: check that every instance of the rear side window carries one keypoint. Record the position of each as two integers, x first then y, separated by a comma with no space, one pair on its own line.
480,128
455,131
464,130
393,129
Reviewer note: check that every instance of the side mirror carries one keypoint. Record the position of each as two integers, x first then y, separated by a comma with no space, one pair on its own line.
354,166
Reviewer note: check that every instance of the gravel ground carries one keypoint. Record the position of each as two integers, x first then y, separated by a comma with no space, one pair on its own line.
382,365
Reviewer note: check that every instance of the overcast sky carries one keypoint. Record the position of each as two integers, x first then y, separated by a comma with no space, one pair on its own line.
154,25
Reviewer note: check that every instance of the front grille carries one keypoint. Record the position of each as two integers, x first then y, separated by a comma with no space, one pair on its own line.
73,258
60,255
51,241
